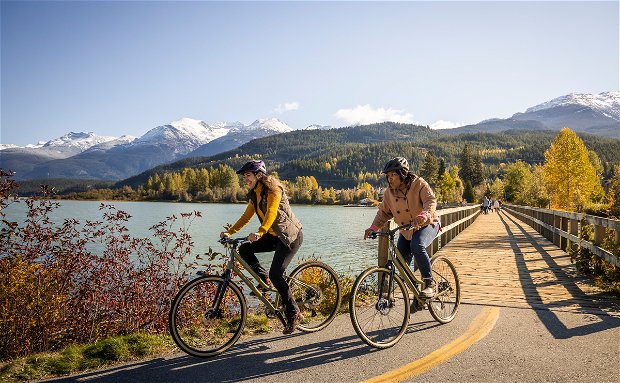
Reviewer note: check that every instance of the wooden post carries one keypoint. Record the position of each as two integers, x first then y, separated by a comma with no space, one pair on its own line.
444,236
564,227
556,225
574,230
599,237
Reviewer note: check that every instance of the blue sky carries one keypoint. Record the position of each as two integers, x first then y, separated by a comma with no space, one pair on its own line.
118,68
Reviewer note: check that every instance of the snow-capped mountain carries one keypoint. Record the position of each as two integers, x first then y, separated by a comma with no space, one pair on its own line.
122,140
72,142
271,125
317,127
185,134
607,103
7,146
23,160
597,114
79,141
87,156
239,135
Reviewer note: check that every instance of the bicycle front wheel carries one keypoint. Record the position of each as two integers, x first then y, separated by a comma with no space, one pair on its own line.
379,317
316,290
197,327
445,304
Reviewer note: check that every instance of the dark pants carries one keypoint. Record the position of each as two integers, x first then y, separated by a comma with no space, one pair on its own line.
416,248
281,259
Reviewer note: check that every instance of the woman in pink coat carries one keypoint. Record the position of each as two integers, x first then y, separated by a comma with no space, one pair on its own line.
409,200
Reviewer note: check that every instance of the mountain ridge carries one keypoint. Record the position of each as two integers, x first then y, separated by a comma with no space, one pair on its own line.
86,155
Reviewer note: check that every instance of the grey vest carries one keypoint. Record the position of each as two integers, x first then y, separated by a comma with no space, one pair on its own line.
286,225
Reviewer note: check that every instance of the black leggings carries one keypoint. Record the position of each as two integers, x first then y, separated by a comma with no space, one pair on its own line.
281,259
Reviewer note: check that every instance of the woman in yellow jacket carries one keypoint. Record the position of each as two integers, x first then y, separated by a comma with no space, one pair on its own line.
409,200
280,231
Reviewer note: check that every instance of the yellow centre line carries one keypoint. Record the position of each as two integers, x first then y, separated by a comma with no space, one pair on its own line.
478,329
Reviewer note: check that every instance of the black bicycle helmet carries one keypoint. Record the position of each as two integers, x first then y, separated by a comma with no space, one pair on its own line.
397,164
254,166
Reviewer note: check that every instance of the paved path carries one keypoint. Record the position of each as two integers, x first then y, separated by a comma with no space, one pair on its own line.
551,326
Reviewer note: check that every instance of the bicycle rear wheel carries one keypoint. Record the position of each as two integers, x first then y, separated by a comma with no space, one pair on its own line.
379,321
316,290
445,304
196,327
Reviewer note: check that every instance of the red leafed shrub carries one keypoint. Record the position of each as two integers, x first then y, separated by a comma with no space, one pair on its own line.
81,281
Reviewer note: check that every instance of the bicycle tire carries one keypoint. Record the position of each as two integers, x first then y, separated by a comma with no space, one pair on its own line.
379,323
446,304
199,331
316,289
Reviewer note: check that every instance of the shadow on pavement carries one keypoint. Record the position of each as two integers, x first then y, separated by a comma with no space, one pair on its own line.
550,319
251,359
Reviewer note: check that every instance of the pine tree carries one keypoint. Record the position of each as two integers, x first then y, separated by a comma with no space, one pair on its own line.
429,169
470,166
569,175
469,194
442,168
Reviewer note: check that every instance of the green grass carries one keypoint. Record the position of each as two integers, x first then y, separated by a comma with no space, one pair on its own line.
76,358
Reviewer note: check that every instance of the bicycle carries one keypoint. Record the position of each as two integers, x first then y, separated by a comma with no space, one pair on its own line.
209,313
379,303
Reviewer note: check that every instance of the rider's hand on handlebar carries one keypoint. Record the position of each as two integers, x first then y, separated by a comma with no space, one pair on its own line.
368,232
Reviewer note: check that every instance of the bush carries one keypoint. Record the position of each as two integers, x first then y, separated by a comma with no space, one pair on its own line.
606,275
56,290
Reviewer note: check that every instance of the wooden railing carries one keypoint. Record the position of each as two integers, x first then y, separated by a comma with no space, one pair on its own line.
562,228
453,221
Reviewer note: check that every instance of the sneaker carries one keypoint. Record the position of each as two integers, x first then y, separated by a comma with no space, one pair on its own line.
292,323
416,306
428,290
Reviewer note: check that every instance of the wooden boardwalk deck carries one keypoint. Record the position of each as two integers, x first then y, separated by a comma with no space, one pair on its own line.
502,261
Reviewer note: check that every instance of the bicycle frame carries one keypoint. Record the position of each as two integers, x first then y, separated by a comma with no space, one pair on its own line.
396,259
231,266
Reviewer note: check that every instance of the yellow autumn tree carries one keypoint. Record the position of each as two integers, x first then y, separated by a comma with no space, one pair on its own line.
569,175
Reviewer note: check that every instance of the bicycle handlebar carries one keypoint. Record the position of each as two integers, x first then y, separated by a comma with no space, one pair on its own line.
233,241
408,226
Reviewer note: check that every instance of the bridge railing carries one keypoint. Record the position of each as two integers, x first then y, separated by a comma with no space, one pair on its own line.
563,227
453,221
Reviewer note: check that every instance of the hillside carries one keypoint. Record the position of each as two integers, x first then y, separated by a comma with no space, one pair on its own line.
335,157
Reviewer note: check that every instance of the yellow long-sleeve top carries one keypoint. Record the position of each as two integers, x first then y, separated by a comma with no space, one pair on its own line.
267,218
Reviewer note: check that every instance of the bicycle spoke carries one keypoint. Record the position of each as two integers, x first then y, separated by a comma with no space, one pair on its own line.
445,305
197,326
378,321
316,290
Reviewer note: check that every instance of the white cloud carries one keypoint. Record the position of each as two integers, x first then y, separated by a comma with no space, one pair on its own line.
366,114
441,124
286,107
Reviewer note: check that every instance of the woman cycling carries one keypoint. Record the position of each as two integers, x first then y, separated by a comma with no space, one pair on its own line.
280,230
409,200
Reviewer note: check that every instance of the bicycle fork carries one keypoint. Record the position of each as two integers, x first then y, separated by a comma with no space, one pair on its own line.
219,295
384,304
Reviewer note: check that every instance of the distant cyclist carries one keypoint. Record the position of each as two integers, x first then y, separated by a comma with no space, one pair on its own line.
280,231
409,200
